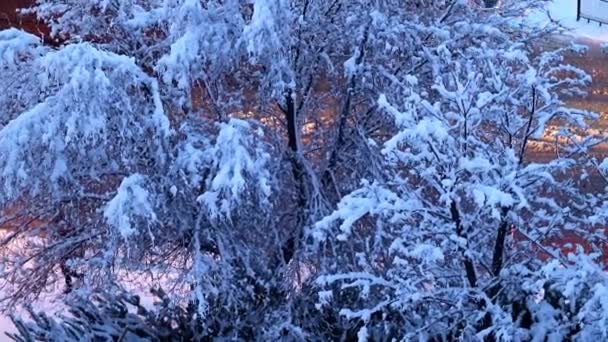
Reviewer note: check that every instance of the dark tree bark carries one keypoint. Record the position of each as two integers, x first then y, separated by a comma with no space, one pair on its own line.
299,174
490,3
499,245
469,267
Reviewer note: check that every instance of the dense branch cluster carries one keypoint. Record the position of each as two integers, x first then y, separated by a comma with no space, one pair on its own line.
298,170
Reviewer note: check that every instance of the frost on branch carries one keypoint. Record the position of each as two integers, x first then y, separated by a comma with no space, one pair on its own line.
18,52
89,123
99,317
16,45
131,201
577,293
371,199
262,34
203,41
236,165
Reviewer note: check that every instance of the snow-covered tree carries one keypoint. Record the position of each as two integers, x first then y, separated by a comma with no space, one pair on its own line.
440,247
190,139
298,168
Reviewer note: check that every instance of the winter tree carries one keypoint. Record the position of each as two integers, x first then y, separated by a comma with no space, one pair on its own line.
190,140
425,252
297,169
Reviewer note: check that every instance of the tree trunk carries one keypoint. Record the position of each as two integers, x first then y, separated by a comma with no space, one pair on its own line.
299,175
469,267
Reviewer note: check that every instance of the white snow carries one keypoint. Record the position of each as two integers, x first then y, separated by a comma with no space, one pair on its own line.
265,29
351,67
372,199
604,165
362,335
491,196
236,156
14,42
424,252
475,164
131,200
564,12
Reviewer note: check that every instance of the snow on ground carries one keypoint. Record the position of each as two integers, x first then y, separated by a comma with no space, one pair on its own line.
6,326
564,12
